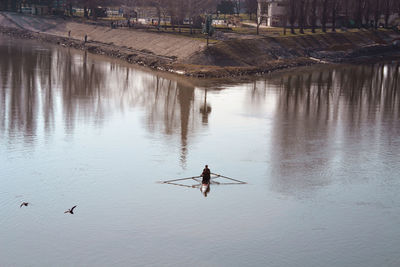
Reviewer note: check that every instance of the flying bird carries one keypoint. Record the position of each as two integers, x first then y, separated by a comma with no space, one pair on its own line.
24,204
71,210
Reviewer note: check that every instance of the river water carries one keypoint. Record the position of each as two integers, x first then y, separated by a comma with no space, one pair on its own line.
318,147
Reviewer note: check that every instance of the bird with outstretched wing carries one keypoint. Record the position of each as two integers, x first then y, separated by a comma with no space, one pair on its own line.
71,210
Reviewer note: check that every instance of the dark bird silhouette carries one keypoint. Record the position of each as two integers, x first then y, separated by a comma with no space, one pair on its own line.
71,210
24,204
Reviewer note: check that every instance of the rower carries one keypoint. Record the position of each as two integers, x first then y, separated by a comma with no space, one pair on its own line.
206,175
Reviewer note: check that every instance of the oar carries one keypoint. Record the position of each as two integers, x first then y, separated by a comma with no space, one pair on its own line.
230,183
181,179
180,185
218,175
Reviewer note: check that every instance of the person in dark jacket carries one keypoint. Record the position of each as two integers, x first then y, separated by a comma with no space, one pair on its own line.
206,175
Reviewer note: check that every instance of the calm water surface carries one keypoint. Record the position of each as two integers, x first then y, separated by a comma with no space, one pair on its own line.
319,148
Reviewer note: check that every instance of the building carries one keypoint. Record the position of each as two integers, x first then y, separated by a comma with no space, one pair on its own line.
44,7
58,6
38,9
272,12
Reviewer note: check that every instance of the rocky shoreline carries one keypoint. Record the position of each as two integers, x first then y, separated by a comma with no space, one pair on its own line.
139,58
170,64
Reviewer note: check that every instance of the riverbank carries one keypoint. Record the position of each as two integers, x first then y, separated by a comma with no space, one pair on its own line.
191,57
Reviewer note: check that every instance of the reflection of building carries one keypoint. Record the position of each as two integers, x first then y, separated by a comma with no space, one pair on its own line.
271,11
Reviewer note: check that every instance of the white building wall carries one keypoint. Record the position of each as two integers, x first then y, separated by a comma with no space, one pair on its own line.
276,13
272,11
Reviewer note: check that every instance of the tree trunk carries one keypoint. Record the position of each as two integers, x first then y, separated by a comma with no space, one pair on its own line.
301,16
313,15
334,11
85,12
292,18
387,13
367,13
377,14
324,18
284,25
359,14
159,18
13,5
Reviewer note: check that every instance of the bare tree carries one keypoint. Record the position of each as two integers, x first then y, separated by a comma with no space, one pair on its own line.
313,16
358,12
195,8
251,7
238,6
367,12
377,13
324,14
292,6
302,15
387,7
335,8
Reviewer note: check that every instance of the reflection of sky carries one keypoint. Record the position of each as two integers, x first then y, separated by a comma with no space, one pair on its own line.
318,147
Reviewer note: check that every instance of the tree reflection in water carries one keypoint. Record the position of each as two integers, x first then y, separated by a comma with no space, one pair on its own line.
42,85
37,84
320,114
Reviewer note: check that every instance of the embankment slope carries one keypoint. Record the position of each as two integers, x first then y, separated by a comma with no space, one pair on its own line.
166,45
259,51
251,56
190,56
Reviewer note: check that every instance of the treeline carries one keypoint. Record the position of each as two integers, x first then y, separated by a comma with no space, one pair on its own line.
177,10
298,14
87,5
303,14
